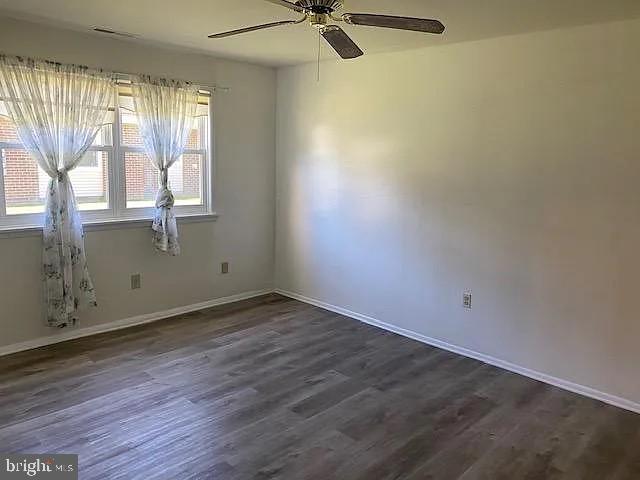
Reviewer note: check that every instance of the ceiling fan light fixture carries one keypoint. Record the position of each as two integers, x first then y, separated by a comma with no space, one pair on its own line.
318,20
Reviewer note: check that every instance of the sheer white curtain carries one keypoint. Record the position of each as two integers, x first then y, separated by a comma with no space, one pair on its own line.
166,110
58,111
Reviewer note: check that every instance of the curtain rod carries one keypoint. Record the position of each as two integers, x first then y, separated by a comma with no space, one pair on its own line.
125,78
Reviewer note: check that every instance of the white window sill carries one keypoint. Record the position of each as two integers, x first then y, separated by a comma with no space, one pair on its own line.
119,224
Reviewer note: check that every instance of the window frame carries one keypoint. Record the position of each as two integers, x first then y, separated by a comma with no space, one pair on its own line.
117,212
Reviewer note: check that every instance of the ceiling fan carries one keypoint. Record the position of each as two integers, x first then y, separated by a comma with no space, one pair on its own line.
320,13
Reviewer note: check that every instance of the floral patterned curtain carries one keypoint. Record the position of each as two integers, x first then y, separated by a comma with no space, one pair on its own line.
58,110
166,110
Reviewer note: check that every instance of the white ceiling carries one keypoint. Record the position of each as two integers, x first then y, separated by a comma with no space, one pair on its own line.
186,23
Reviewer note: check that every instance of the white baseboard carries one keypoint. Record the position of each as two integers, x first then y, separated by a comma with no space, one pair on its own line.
543,377
127,322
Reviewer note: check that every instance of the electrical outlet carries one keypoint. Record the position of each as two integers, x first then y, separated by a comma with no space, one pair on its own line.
136,281
466,300
224,267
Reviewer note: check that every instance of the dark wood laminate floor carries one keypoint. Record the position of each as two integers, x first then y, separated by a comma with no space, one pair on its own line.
273,388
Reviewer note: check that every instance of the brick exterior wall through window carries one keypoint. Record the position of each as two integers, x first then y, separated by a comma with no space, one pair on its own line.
20,170
142,176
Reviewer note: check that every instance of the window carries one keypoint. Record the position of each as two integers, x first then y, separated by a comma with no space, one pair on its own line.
115,179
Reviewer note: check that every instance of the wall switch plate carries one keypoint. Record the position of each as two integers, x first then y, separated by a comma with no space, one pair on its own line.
466,300
224,267
136,281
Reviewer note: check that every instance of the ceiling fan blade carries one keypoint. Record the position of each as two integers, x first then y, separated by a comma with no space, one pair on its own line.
341,42
401,23
289,5
257,27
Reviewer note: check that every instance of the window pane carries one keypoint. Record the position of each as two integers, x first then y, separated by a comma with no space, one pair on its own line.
8,133
130,133
104,137
193,143
90,181
7,130
197,138
141,180
185,179
24,182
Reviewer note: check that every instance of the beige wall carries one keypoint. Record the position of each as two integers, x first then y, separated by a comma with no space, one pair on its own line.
509,167
243,187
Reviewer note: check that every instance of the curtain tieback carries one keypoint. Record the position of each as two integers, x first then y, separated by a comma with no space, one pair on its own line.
165,198
164,177
62,175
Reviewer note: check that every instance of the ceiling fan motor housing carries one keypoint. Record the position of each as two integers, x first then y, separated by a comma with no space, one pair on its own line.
320,6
